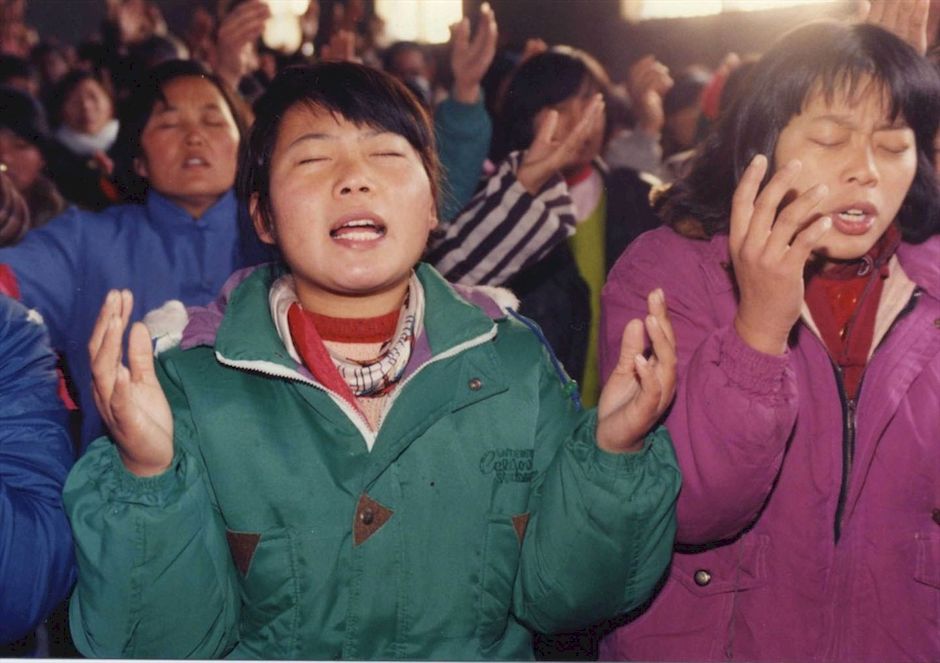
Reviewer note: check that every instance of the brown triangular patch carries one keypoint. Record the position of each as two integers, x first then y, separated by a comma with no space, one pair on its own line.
369,518
242,545
519,524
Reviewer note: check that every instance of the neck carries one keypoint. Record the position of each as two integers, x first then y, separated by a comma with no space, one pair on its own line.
343,305
195,206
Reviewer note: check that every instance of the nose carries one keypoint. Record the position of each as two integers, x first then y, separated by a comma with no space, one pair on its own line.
194,135
353,179
861,167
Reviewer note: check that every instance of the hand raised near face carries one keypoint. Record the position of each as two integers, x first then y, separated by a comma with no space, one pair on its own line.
471,58
769,251
130,398
905,18
549,154
639,389
648,81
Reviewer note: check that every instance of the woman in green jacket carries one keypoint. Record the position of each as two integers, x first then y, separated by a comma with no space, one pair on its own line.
353,459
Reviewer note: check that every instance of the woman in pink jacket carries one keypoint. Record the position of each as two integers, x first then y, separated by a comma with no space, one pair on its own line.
801,265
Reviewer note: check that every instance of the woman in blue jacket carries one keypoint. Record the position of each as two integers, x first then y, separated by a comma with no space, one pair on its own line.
179,142
36,561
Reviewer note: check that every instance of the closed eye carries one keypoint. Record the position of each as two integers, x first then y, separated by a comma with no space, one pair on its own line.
311,160
388,154
826,143
895,149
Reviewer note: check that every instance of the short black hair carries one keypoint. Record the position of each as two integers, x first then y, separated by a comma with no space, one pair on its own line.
826,57
362,95
136,112
62,89
543,80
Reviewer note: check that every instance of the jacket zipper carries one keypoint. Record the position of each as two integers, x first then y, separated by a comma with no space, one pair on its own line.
849,416
849,407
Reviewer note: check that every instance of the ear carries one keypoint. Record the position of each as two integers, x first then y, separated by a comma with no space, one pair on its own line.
140,167
264,234
432,214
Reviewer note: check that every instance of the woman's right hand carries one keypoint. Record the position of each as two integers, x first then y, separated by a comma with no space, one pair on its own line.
769,252
130,398
548,155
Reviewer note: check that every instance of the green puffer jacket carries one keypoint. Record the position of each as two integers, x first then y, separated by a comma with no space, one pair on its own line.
484,509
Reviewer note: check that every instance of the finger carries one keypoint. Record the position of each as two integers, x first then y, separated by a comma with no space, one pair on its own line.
572,143
889,16
101,323
140,355
794,217
105,363
485,39
651,391
742,202
631,345
664,359
460,34
917,26
656,302
808,240
120,405
768,202
546,130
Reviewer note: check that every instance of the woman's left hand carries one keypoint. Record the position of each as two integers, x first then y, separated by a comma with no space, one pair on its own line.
640,389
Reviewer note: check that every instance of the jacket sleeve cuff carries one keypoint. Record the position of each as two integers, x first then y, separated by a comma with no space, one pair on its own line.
125,486
609,467
753,371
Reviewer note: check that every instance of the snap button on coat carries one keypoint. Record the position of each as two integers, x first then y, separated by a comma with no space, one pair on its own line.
475,384
702,577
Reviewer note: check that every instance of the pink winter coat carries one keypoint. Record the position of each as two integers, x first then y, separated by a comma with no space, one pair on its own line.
779,555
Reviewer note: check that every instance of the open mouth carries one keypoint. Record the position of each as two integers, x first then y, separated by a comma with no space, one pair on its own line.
359,230
855,220
195,162
852,215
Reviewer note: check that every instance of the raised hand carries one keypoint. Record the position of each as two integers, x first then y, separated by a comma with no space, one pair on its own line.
548,155
130,398
470,59
234,55
648,81
905,18
640,389
341,47
769,252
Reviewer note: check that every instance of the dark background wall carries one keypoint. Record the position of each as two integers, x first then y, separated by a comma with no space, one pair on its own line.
594,25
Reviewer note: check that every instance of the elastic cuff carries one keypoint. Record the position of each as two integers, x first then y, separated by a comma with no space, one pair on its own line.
757,372
583,445
129,485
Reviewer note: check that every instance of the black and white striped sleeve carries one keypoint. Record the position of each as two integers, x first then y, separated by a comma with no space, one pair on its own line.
503,229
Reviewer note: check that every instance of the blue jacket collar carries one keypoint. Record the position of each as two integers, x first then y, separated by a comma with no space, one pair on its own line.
162,210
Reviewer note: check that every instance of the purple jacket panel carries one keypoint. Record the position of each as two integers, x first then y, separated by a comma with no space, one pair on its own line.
758,574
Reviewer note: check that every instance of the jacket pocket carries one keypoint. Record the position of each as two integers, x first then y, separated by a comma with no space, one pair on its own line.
701,594
269,589
734,568
501,548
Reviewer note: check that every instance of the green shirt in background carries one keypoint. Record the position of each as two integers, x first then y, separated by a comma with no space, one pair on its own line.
587,244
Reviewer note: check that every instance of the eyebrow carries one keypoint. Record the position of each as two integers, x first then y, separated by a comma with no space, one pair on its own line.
847,122
169,108
319,135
